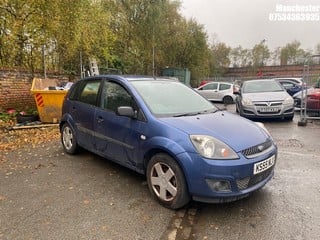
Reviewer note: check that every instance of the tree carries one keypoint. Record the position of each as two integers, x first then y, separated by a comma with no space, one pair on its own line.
260,53
152,35
318,48
61,28
240,57
275,56
292,53
17,31
219,58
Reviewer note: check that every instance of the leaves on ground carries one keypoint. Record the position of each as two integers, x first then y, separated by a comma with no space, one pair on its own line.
12,140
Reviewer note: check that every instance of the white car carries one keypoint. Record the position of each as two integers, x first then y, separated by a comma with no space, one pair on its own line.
218,91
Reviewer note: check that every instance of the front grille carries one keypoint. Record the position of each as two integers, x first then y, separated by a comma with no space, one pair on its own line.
251,181
258,149
270,113
267,104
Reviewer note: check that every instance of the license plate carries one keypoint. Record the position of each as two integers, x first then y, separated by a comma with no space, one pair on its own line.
269,109
264,165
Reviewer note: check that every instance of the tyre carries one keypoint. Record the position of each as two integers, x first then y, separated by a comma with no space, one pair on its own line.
290,118
166,182
68,139
227,100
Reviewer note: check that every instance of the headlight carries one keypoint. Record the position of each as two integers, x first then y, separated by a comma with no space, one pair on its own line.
288,101
246,102
212,148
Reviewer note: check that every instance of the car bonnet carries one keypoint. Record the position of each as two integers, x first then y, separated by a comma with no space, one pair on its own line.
267,96
237,132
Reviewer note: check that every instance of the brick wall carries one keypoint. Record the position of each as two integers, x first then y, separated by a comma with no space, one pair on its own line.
278,71
15,86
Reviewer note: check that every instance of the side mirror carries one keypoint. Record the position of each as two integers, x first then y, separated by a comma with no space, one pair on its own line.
126,111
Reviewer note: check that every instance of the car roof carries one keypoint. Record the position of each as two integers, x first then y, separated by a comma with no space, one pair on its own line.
295,79
260,80
217,82
132,78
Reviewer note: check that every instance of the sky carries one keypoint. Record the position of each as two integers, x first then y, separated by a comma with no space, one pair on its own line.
248,22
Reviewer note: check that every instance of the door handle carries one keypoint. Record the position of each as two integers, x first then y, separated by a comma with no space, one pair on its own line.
100,119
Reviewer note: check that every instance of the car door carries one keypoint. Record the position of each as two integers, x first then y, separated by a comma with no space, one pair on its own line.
82,111
209,91
117,137
224,89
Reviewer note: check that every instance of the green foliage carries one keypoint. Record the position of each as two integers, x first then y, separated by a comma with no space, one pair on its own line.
11,114
5,117
133,36
260,53
292,53
219,59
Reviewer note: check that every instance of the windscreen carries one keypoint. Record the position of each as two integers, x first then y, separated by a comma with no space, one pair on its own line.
170,98
261,86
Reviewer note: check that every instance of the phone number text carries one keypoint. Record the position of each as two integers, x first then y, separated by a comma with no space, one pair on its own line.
294,17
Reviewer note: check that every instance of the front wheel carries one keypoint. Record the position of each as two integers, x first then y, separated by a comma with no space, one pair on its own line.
290,118
166,182
68,139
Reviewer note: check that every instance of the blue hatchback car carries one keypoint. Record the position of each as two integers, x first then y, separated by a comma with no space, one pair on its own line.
185,146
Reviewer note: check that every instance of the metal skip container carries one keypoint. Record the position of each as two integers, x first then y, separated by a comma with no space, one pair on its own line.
49,99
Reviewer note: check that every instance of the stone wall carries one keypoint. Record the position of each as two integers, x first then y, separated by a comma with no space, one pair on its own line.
15,89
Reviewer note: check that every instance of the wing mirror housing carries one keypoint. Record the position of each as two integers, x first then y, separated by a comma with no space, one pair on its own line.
126,111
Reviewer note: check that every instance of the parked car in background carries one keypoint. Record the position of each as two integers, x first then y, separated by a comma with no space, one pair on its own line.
264,99
312,100
203,82
292,85
186,147
218,91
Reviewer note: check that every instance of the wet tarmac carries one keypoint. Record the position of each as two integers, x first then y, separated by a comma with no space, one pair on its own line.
46,194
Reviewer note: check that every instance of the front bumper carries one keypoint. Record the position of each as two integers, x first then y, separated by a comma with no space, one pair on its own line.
256,111
239,174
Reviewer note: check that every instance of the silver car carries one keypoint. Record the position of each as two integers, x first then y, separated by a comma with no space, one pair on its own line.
264,99
218,91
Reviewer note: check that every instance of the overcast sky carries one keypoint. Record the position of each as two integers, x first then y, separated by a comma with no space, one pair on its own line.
248,22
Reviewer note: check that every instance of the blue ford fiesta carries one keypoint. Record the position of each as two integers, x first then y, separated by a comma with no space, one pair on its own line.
186,147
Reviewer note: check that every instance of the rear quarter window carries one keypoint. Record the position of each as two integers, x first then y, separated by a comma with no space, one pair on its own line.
86,92
224,86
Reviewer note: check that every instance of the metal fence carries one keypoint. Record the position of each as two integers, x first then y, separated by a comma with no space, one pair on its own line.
310,97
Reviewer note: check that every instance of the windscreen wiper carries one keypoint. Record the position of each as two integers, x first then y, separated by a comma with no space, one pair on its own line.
187,114
196,113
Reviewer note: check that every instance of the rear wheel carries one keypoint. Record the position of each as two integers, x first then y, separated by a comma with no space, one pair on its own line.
227,100
68,139
166,182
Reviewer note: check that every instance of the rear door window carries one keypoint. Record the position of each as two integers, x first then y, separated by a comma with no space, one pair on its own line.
211,86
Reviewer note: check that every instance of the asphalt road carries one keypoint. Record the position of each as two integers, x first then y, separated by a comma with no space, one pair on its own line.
46,194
